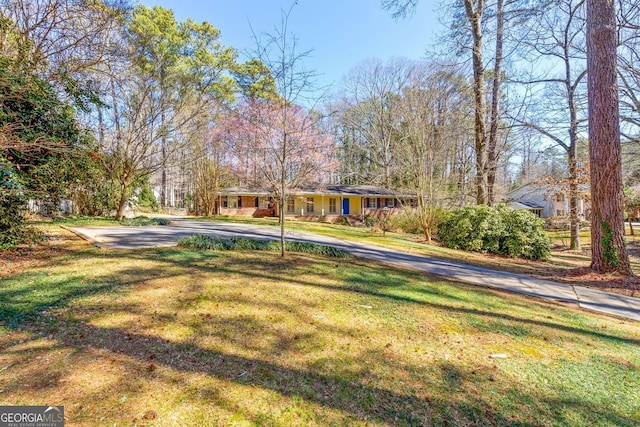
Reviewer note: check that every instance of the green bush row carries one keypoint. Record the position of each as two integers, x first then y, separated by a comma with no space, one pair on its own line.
500,230
143,220
201,241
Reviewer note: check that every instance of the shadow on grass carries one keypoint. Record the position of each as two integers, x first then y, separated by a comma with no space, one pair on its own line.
22,299
377,285
351,397
22,303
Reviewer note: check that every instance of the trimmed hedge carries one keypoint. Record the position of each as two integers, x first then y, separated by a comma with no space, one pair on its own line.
201,241
144,220
500,230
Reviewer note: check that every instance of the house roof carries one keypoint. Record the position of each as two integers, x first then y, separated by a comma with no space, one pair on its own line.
245,190
522,205
542,187
322,190
353,190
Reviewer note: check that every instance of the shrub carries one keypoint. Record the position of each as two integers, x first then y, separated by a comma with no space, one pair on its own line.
203,242
146,199
143,220
500,230
409,221
14,230
557,223
370,220
524,236
344,220
405,221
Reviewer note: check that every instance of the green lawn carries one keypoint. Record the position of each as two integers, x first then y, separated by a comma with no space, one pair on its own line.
182,337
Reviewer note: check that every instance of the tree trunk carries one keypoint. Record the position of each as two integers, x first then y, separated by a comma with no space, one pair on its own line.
283,192
574,220
607,218
424,220
475,19
283,248
122,203
495,105
163,184
163,141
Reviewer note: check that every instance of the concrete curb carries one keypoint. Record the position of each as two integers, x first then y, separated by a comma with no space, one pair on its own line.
85,236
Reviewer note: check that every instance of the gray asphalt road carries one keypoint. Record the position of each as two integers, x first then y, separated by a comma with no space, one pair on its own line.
121,237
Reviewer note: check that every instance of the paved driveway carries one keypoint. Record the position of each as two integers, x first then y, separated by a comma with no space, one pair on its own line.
121,237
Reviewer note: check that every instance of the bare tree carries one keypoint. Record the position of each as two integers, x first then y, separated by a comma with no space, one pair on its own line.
284,135
474,11
553,46
368,118
210,168
629,71
469,23
59,39
431,112
492,143
608,251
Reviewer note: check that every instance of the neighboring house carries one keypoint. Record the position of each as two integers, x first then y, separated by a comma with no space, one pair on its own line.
328,202
545,201
63,206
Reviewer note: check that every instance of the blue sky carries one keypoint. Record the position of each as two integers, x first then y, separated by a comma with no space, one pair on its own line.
341,33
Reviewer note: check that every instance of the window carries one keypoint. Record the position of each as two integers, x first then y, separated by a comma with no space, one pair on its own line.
560,198
372,203
257,202
232,202
291,205
310,206
332,205
389,202
225,202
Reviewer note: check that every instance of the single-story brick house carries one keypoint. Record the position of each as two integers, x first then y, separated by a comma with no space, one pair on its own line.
326,202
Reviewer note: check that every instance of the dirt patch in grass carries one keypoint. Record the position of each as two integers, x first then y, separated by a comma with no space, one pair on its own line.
59,242
585,276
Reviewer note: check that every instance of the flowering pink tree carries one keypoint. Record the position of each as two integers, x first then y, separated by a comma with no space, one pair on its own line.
289,143
279,146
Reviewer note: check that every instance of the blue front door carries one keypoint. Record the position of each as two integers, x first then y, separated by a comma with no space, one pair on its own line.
345,206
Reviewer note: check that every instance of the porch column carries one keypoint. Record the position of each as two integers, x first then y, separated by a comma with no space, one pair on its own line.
322,198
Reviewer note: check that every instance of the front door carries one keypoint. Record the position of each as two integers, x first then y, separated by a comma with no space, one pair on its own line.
345,206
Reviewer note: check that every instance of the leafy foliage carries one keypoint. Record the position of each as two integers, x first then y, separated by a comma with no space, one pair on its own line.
500,230
43,151
201,241
370,220
13,230
409,220
147,199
